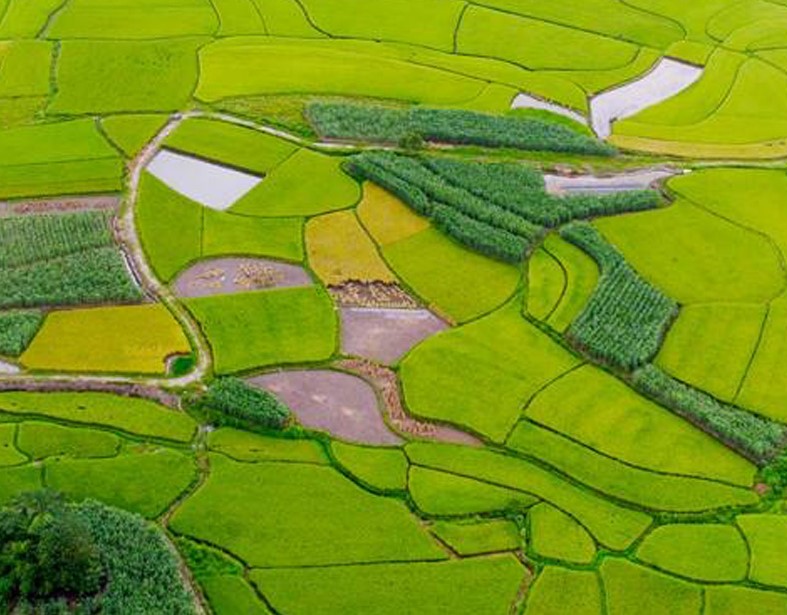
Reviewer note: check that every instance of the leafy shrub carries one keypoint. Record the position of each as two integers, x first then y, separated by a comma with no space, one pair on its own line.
230,401
756,437
452,126
17,330
626,318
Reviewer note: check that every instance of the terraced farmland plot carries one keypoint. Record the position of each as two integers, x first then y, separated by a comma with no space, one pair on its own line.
417,306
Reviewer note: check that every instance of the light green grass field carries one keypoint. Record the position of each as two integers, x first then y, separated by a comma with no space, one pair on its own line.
456,282
364,528
382,468
128,414
710,346
482,374
590,406
259,329
554,535
563,591
703,552
445,494
479,538
488,583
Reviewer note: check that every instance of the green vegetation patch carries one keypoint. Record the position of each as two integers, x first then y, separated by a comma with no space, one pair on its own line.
731,600
10,455
458,127
640,487
443,494
391,21
235,145
143,481
221,580
765,535
457,283
118,19
610,524
707,552
562,591
382,468
630,588
542,45
581,279
17,330
156,76
692,352
488,585
103,559
479,537
232,68
699,257
554,535
481,374
25,69
40,440
546,284
130,414
626,319
20,479
245,446
257,329
590,406
159,211
61,259
232,510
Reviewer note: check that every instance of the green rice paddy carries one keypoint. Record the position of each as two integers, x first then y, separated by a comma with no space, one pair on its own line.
528,464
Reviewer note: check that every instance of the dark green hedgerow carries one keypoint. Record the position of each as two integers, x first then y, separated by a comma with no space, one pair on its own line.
230,401
500,210
17,330
626,318
757,437
29,239
62,259
520,190
451,126
91,277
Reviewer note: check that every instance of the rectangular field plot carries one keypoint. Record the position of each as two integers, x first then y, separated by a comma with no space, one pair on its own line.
258,329
710,346
131,339
57,158
133,19
133,415
365,528
464,587
114,76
